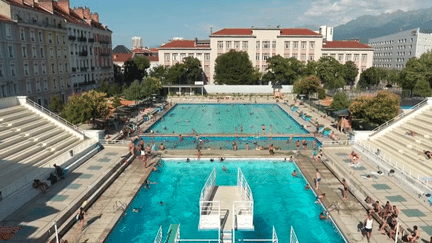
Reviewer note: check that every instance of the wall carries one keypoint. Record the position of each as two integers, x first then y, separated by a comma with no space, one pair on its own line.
8,102
245,89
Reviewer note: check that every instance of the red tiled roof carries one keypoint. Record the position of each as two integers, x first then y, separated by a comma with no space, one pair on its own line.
298,31
233,31
153,58
183,44
346,44
122,57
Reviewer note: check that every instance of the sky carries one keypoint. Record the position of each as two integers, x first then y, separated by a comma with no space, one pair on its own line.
159,21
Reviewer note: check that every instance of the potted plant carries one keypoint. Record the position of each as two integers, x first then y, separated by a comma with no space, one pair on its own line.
326,131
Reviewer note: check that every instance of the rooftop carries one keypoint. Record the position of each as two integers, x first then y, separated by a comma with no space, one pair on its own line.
249,31
345,44
184,44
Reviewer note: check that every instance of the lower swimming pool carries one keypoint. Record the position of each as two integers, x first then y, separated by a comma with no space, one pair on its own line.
225,143
280,201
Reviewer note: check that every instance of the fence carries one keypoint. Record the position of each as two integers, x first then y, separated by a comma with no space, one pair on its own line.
244,187
293,236
274,237
208,186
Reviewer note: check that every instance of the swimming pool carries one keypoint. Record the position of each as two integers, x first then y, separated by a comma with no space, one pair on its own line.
225,143
225,118
280,201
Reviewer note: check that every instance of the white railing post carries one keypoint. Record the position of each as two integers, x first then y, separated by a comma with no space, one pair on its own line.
56,231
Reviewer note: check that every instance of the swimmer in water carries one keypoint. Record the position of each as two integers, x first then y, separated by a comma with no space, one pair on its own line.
224,168
187,120
209,124
136,210
161,203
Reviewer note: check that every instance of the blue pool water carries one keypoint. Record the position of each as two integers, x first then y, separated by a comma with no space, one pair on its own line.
280,201
225,143
224,118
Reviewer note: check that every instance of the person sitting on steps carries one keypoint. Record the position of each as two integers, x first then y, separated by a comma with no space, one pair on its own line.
43,186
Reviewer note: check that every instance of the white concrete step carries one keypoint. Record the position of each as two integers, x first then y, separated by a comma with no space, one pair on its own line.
24,153
419,130
401,132
14,116
10,150
55,139
11,140
64,143
56,153
23,120
11,110
30,126
40,138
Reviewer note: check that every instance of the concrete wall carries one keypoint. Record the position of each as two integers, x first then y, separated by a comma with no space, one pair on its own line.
245,89
8,102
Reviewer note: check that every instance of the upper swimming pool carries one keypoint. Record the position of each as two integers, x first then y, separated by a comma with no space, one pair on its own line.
225,118
280,201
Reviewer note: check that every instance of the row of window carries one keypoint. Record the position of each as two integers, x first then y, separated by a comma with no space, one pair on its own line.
389,65
182,56
388,42
5,89
266,45
45,87
348,57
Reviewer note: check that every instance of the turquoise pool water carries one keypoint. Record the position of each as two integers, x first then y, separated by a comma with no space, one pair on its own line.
280,201
225,143
224,118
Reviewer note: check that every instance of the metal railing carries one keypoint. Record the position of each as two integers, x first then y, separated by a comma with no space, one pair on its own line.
337,143
208,186
407,171
293,236
243,185
114,142
403,114
158,238
55,116
274,236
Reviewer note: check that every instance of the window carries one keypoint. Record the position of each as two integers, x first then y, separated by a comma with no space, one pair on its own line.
303,45
10,50
274,44
206,56
34,52
1,70
312,45
287,44
36,69
8,32
58,39
228,45
364,57
220,44
265,56
348,57
26,69
49,37
61,83
38,86
245,45
66,68
356,57
1,51
311,57
3,90
237,44
52,67
295,44
199,56
32,36
58,53
266,44
12,69
182,56
51,52
28,85
40,37
42,52
174,56
65,52
22,35
340,57
167,56
24,52
258,45
257,57
60,66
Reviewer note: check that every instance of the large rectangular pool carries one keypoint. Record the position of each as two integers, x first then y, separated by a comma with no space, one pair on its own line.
225,118
280,201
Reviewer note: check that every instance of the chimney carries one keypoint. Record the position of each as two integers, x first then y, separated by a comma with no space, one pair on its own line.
29,3
87,13
64,5
79,12
95,17
47,5
211,30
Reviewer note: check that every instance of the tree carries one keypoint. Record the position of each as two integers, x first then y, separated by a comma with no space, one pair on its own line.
311,68
340,101
150,86
370,77
234,68
134,92
194,71
350,72
376,109
89,105
331,72
307,86
283,70
131,72
177,74
109,89
415,70
116,102
422,88
142,64
56,104
161,73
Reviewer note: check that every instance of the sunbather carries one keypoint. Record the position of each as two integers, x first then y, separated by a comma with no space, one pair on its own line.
43,186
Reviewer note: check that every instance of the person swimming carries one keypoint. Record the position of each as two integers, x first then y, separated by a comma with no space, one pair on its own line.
224,168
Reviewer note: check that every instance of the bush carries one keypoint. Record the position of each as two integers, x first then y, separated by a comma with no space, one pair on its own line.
321,94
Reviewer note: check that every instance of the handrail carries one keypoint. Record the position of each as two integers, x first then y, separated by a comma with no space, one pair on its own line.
293,236
403,114
55,116
274,237
158,238
208,186
244,185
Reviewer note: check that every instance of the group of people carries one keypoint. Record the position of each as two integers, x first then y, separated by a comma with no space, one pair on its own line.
59,173
142,151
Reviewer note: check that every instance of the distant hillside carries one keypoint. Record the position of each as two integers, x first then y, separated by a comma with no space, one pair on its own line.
367,27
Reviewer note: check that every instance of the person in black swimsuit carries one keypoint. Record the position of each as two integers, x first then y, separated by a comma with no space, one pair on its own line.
304,144
80,217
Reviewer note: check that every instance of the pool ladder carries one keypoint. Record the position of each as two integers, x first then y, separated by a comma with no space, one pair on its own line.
119,206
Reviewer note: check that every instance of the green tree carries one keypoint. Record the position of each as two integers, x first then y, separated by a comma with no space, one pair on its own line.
96,104
161,73
150,86
311,68
283,70
234,68
422,88
177,74
142,64
376,109
393,76
89,105
340,101
415,70
331,72
134,92
116,102
194,71
350,72
307,86
370,77
56,104
109,89
131,72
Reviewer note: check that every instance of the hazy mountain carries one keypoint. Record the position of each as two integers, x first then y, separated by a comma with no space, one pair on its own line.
367,26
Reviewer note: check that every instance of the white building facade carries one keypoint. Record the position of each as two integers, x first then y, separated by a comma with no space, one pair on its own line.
261,44
394,51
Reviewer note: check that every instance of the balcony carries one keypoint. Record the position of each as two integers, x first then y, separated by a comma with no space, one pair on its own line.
108,67
105,54
104,42
72,38
92,68
91,40
83,39
83,53
74,69
84,69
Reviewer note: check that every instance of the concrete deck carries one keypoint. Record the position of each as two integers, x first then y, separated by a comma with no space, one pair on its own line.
39,215
227,195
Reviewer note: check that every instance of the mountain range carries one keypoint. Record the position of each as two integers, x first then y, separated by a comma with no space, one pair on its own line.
367,26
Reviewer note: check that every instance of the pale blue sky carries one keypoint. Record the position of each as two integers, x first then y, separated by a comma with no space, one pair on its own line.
161,20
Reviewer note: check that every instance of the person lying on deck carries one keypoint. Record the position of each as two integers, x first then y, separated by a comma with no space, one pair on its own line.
410,133
428,153
43,186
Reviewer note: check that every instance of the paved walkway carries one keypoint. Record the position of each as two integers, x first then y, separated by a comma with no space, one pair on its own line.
103,214
38,215
384,188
